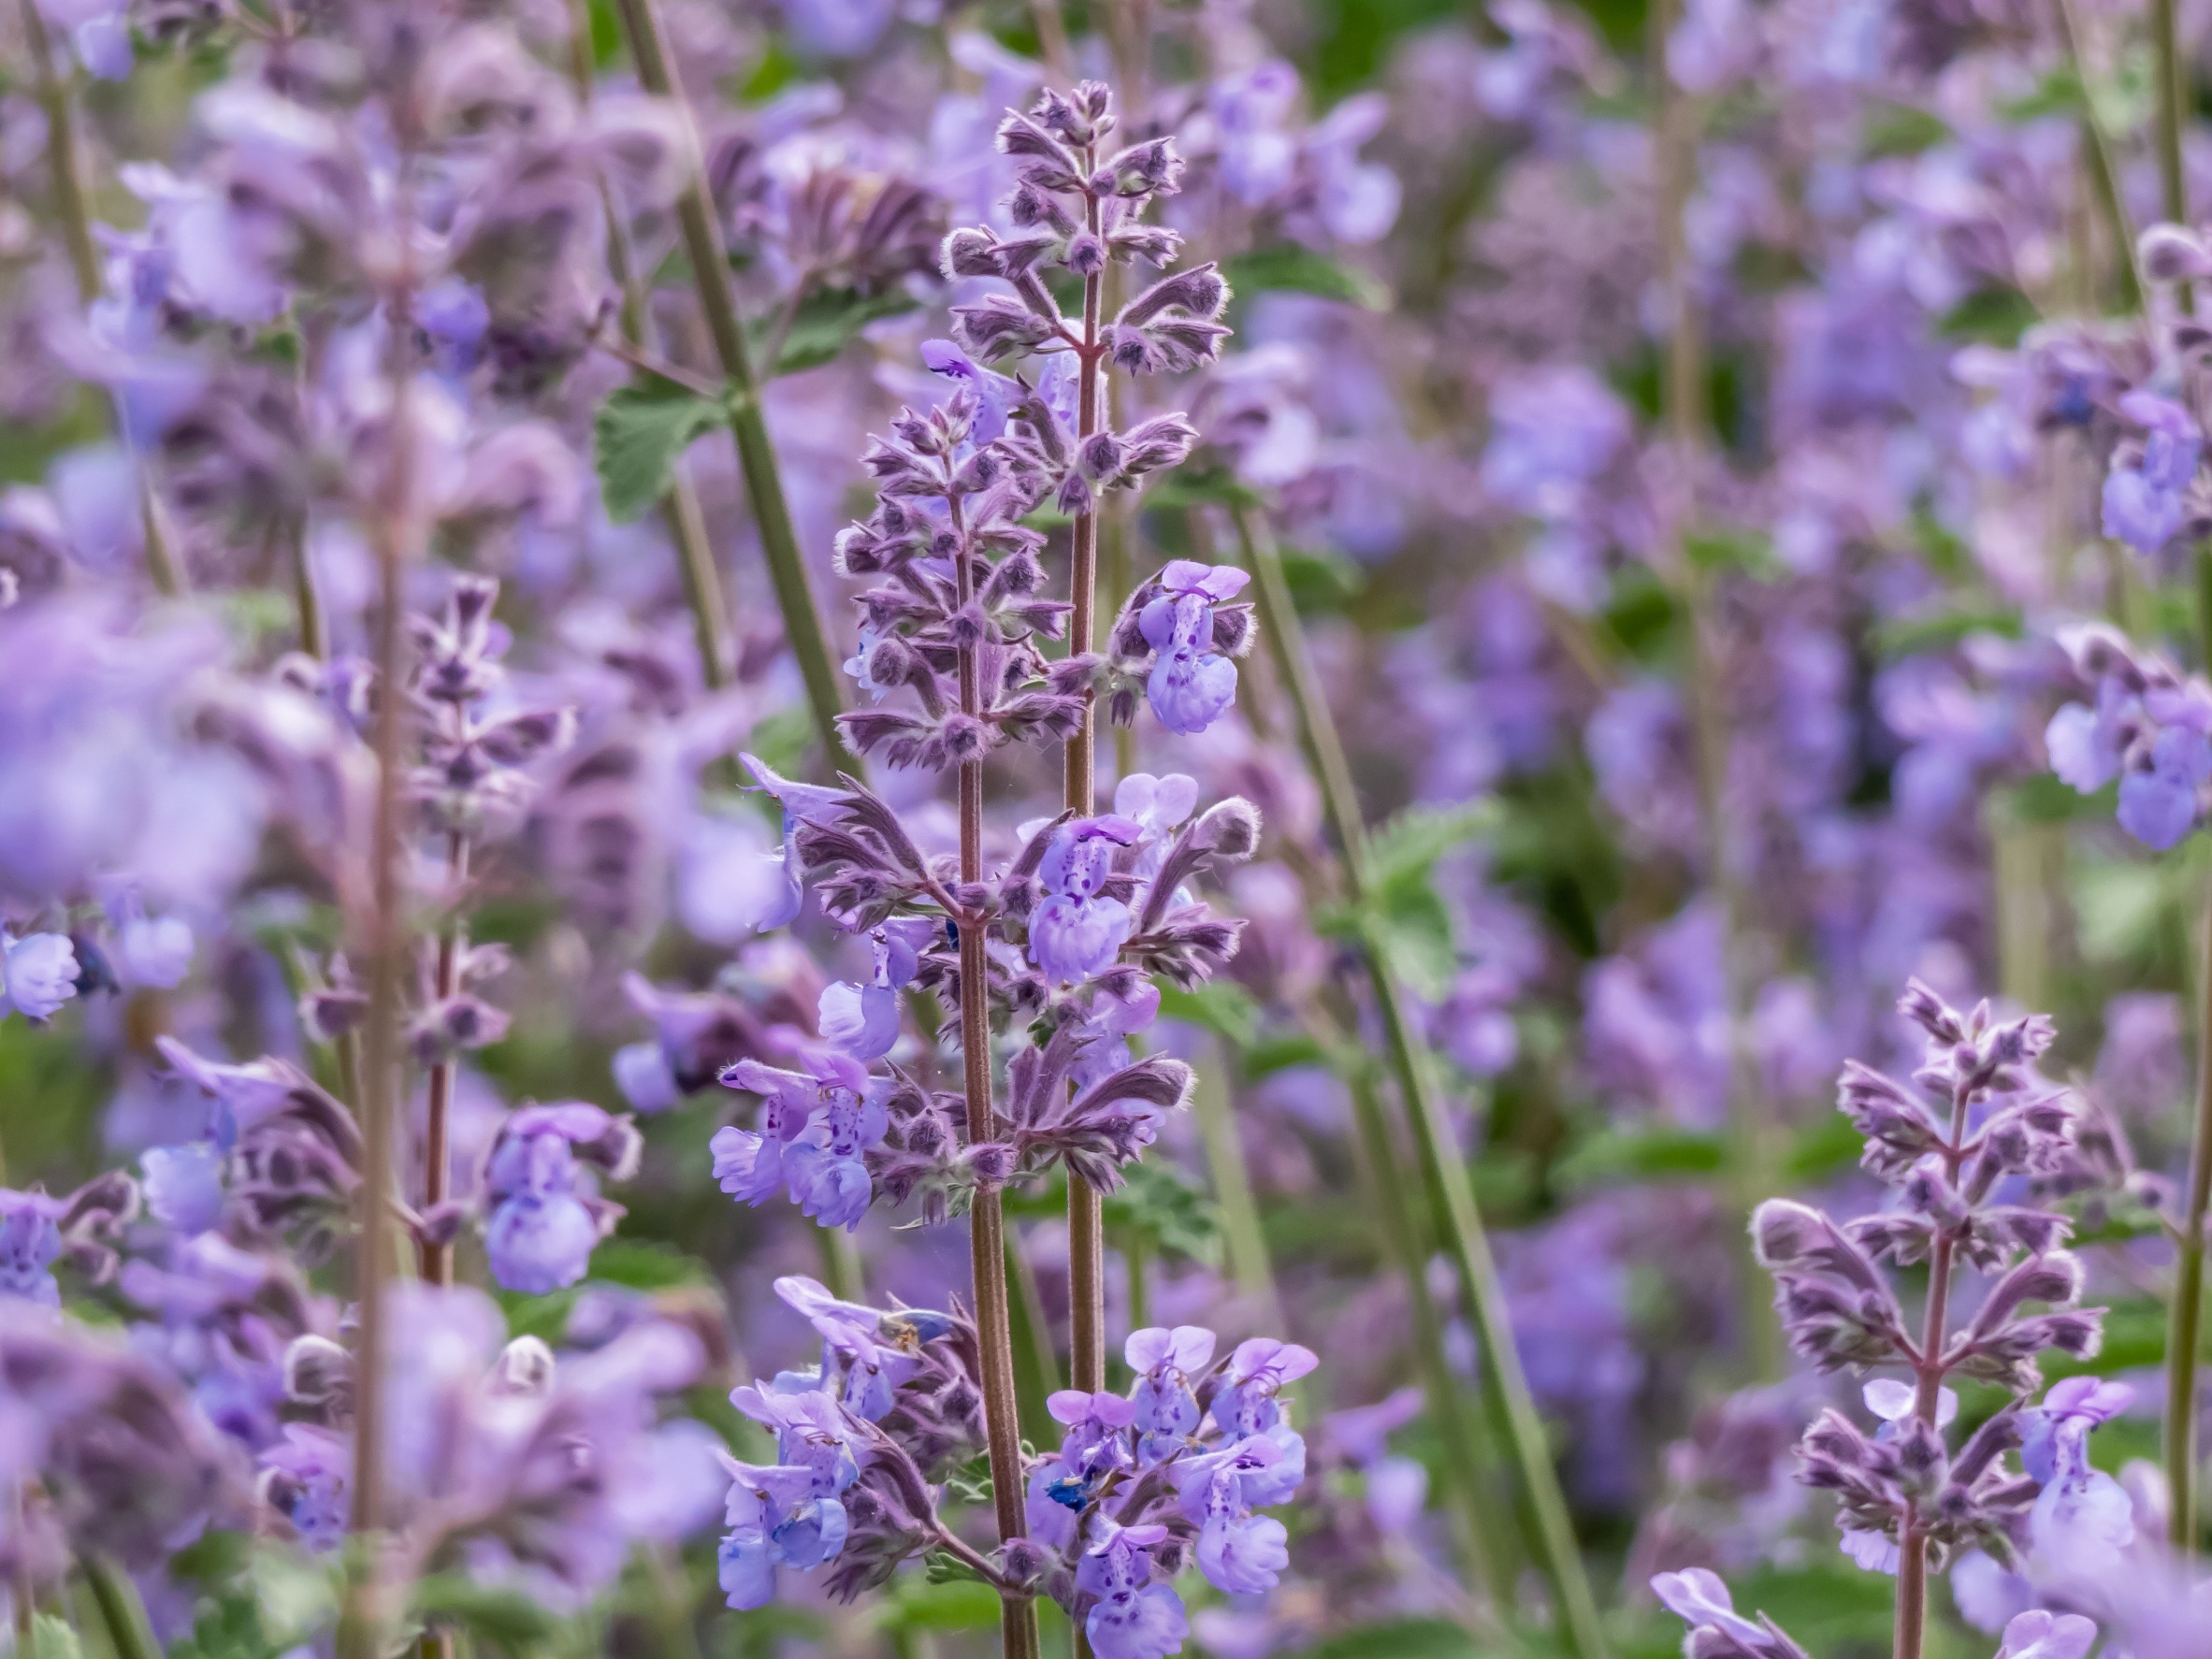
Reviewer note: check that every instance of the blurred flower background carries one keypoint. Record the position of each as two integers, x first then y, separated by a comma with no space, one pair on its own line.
1559,991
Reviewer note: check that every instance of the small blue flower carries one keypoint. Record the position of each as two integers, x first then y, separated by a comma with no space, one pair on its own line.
2158,798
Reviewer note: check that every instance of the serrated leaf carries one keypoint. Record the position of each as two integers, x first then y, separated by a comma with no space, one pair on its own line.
1159,1206
1413,925
971,1482
827,322
637,434
1289,268
1416,838
506,1619
943,1568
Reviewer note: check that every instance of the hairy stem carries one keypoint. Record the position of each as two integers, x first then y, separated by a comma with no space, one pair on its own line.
66,170
756,451
394,531
986,1221
436,1260
1086,1224
1544,1517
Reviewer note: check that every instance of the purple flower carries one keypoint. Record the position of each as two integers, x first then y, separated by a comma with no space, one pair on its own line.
816,1127
542,1220
1191,685
641,1072
2040,1634
30,1245
37,974
1258,1370
1164,1362
995,394
862,1020
2087,746
1131,1617
2144,491
872,1370
307,1477
809,1431
775,1519
2083,1518
183,1185
2158,795
1238,1552
1076,933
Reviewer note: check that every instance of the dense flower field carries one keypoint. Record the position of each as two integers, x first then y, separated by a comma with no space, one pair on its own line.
1351,827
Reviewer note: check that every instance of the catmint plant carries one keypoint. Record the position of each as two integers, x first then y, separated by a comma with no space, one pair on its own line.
1908,1501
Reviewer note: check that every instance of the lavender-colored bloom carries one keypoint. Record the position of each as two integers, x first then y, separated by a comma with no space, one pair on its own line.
1240,1552
542,1220
183,1185
2040,1634
2082,1518
37,974
995,394
307,1477
1191,685
1258,1370
2086,746
2159,798
2144,491
1077,932
1131,1617
862,1020
30,1245
641,1072
155,951
1164,1362
776,1519
816,1127
1698,1597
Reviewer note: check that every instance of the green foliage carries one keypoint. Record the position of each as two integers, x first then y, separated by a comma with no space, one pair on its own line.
1157,1204
1826,1603
943,1568
1321,580
1220,1006
637,434
50,1639
829,319
1404,917
257,1599
503,1619
1287,267
1398,1639
964,1602
2135,1338
1653,1153
1940,630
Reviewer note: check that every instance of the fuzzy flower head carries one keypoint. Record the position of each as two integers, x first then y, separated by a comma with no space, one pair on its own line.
1077,931
1192,683
543,1216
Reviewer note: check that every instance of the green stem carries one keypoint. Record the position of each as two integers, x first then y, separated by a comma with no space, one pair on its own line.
1544,1517
1036,1367
1488,1556
2185,1317
129,1631
2104,175
66,170
1213,1101
2172,101
748,424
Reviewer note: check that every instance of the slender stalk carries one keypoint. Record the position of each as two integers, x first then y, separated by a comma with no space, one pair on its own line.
986,1221
2173,100
1687,420
1214,1104
695,555
1086,1222
394,532
121,1612
2104,175
2185,1317
1544,1517
748,424
436,1260
1137,1257
1036,1367
1912,1564
1488,1556
66,169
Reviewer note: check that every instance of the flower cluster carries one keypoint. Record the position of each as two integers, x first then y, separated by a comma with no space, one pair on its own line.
1903,1491
870,1445
2150,727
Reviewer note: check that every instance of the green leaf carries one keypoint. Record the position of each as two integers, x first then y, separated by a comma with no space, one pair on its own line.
1170,1214
1414,926
1270,1055
944,1568
505,1618
1726,550
1823,1148
1292,269
1643,1154
2134,1338
971,1482
1220,1006
1900,129
1321,580
827,322
637,435
1194,486
1830,1605
53,1639
1398,1639
948,1603
1411,841
1935,631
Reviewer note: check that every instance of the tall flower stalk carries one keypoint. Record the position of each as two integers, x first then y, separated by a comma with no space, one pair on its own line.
748,421
1545,1522
66,172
